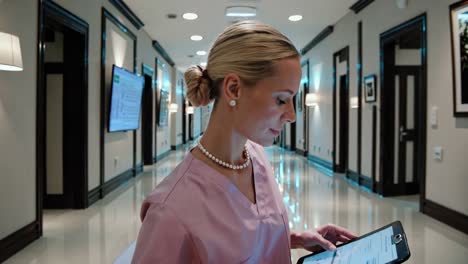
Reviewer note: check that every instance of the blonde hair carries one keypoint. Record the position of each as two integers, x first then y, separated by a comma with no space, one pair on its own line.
248,49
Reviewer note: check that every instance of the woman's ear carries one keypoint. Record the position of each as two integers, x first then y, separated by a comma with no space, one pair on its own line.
231,87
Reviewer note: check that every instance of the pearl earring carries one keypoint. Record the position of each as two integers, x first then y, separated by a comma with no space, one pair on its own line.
232,103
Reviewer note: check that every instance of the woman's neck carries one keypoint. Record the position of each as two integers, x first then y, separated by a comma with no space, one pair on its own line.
222,141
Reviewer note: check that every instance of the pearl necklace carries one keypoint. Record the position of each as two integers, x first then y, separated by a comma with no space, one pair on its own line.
226,164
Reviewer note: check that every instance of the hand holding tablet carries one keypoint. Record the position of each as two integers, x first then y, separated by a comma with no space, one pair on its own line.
385,245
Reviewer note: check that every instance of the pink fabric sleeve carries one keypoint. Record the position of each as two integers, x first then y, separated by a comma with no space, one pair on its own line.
163,238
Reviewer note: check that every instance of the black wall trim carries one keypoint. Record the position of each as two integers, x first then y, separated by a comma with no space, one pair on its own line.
106,15
93,195
162,52
321,36
326,166
446,215
138,168
177,147
354,176
361,180
360,5
163,155
288,147
115,182
19,240
300,152
128,13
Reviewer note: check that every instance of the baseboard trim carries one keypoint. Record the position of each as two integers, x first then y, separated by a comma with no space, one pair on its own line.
94,195
361,180
325,166
139,168
163,155
114,183
301,152
15,242
177,147
446,215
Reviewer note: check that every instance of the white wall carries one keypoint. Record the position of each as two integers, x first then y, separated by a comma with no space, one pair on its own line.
448,176
18,124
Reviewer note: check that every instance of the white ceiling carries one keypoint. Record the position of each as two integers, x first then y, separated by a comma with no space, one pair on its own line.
174,34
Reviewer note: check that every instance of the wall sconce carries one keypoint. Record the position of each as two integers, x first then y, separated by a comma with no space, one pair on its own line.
173,108
311,99
190,110
354,102
10,53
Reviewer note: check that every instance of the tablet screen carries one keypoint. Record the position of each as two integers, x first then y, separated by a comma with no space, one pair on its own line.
373,249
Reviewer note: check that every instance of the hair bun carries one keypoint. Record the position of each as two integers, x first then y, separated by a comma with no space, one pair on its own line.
198,86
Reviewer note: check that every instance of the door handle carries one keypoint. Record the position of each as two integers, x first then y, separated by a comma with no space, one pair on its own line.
403,133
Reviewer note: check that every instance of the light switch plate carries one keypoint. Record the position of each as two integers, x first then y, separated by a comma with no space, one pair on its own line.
438,153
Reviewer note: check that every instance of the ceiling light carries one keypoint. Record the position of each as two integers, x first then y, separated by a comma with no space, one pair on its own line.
203,64
196,37
201,52
241,11
295,18
190,16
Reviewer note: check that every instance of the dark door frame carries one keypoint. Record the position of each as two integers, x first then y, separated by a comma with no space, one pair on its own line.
156,110
305,111
75,149
147,117
387,104
190,123
343,55
292,131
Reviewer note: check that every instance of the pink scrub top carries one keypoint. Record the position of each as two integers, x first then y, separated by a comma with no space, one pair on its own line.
196,215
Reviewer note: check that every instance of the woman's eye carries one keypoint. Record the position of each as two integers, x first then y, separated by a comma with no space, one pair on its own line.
279,101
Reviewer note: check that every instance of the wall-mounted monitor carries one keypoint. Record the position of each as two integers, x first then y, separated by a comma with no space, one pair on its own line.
125,101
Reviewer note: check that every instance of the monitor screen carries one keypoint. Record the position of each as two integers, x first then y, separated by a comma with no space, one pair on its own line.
376,248
125,102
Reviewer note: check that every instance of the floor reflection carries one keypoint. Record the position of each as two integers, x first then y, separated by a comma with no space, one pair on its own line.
102,232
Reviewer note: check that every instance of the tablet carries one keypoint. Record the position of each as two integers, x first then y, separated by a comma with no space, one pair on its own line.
384,245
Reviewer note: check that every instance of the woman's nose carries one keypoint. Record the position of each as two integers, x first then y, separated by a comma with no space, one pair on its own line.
290,115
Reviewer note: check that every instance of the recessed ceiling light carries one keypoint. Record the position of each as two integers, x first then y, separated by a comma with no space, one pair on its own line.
201,52
241,11
295,18
190,16
196,37
203,64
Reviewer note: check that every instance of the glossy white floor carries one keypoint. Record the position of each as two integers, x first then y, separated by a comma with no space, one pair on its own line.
102,232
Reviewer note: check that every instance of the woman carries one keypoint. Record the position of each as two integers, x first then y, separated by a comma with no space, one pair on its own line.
222,203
